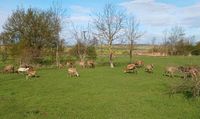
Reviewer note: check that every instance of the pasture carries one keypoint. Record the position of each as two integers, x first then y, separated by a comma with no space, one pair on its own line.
100,93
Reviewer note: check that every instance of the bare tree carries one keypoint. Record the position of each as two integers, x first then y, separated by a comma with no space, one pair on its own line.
165,42
59,21
109,24
177,33
84,38
153,41
132,34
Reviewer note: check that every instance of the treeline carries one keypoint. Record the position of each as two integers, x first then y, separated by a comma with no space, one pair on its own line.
176,42
33,36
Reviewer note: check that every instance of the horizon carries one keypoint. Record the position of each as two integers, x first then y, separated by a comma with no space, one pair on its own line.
155,16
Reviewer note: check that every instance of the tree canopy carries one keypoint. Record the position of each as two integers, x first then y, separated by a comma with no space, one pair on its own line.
31,30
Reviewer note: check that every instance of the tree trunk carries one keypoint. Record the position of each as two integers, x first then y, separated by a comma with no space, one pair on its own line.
131,51
57,56
111,56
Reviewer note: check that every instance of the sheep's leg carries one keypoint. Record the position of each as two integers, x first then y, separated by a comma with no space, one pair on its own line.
171,75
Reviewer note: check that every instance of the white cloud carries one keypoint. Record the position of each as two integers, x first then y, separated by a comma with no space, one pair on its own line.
156,16
154,13
80,15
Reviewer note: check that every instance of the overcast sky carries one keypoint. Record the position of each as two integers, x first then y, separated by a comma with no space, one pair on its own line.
154,15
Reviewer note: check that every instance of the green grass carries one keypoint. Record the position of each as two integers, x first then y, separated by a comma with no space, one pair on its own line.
100,93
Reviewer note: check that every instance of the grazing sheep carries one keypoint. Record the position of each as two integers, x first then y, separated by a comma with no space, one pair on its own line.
139,63
90,64
60,66
9,69
194,73
22,70
82,64
169,71
69,64
130,68
149,68
189,71
31,73
72,72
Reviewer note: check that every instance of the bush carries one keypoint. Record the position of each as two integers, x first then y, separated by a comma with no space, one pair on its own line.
196,52
89,50
43,61
190,88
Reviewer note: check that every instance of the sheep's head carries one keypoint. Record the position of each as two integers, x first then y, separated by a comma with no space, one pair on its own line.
77,74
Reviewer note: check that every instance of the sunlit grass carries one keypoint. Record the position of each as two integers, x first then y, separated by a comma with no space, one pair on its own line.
100,93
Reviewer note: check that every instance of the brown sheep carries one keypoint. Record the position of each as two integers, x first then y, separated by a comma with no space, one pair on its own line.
194,73
130,68
69,64
82,64
31,73
189,71
72,72
60,66
90,64
169,71
139,63
9,69
149,68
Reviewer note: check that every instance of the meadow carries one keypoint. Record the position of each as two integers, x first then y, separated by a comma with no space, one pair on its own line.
100,93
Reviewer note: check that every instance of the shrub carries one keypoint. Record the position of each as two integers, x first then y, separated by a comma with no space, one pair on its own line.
89,51
190,88
196,52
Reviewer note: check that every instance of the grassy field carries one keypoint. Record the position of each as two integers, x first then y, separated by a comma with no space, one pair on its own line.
100,93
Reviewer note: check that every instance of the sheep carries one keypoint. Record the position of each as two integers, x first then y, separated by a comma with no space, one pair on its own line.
139,63
90,64
9,69
31,73
22,70
60,66
189,71
149,68
130,68
69,64
170,70
72,72
82,64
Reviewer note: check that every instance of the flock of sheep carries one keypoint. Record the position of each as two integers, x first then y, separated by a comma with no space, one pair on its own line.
91,64
24,69
171,71
186,71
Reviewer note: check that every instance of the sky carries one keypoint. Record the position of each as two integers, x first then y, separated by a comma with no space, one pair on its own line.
155,16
